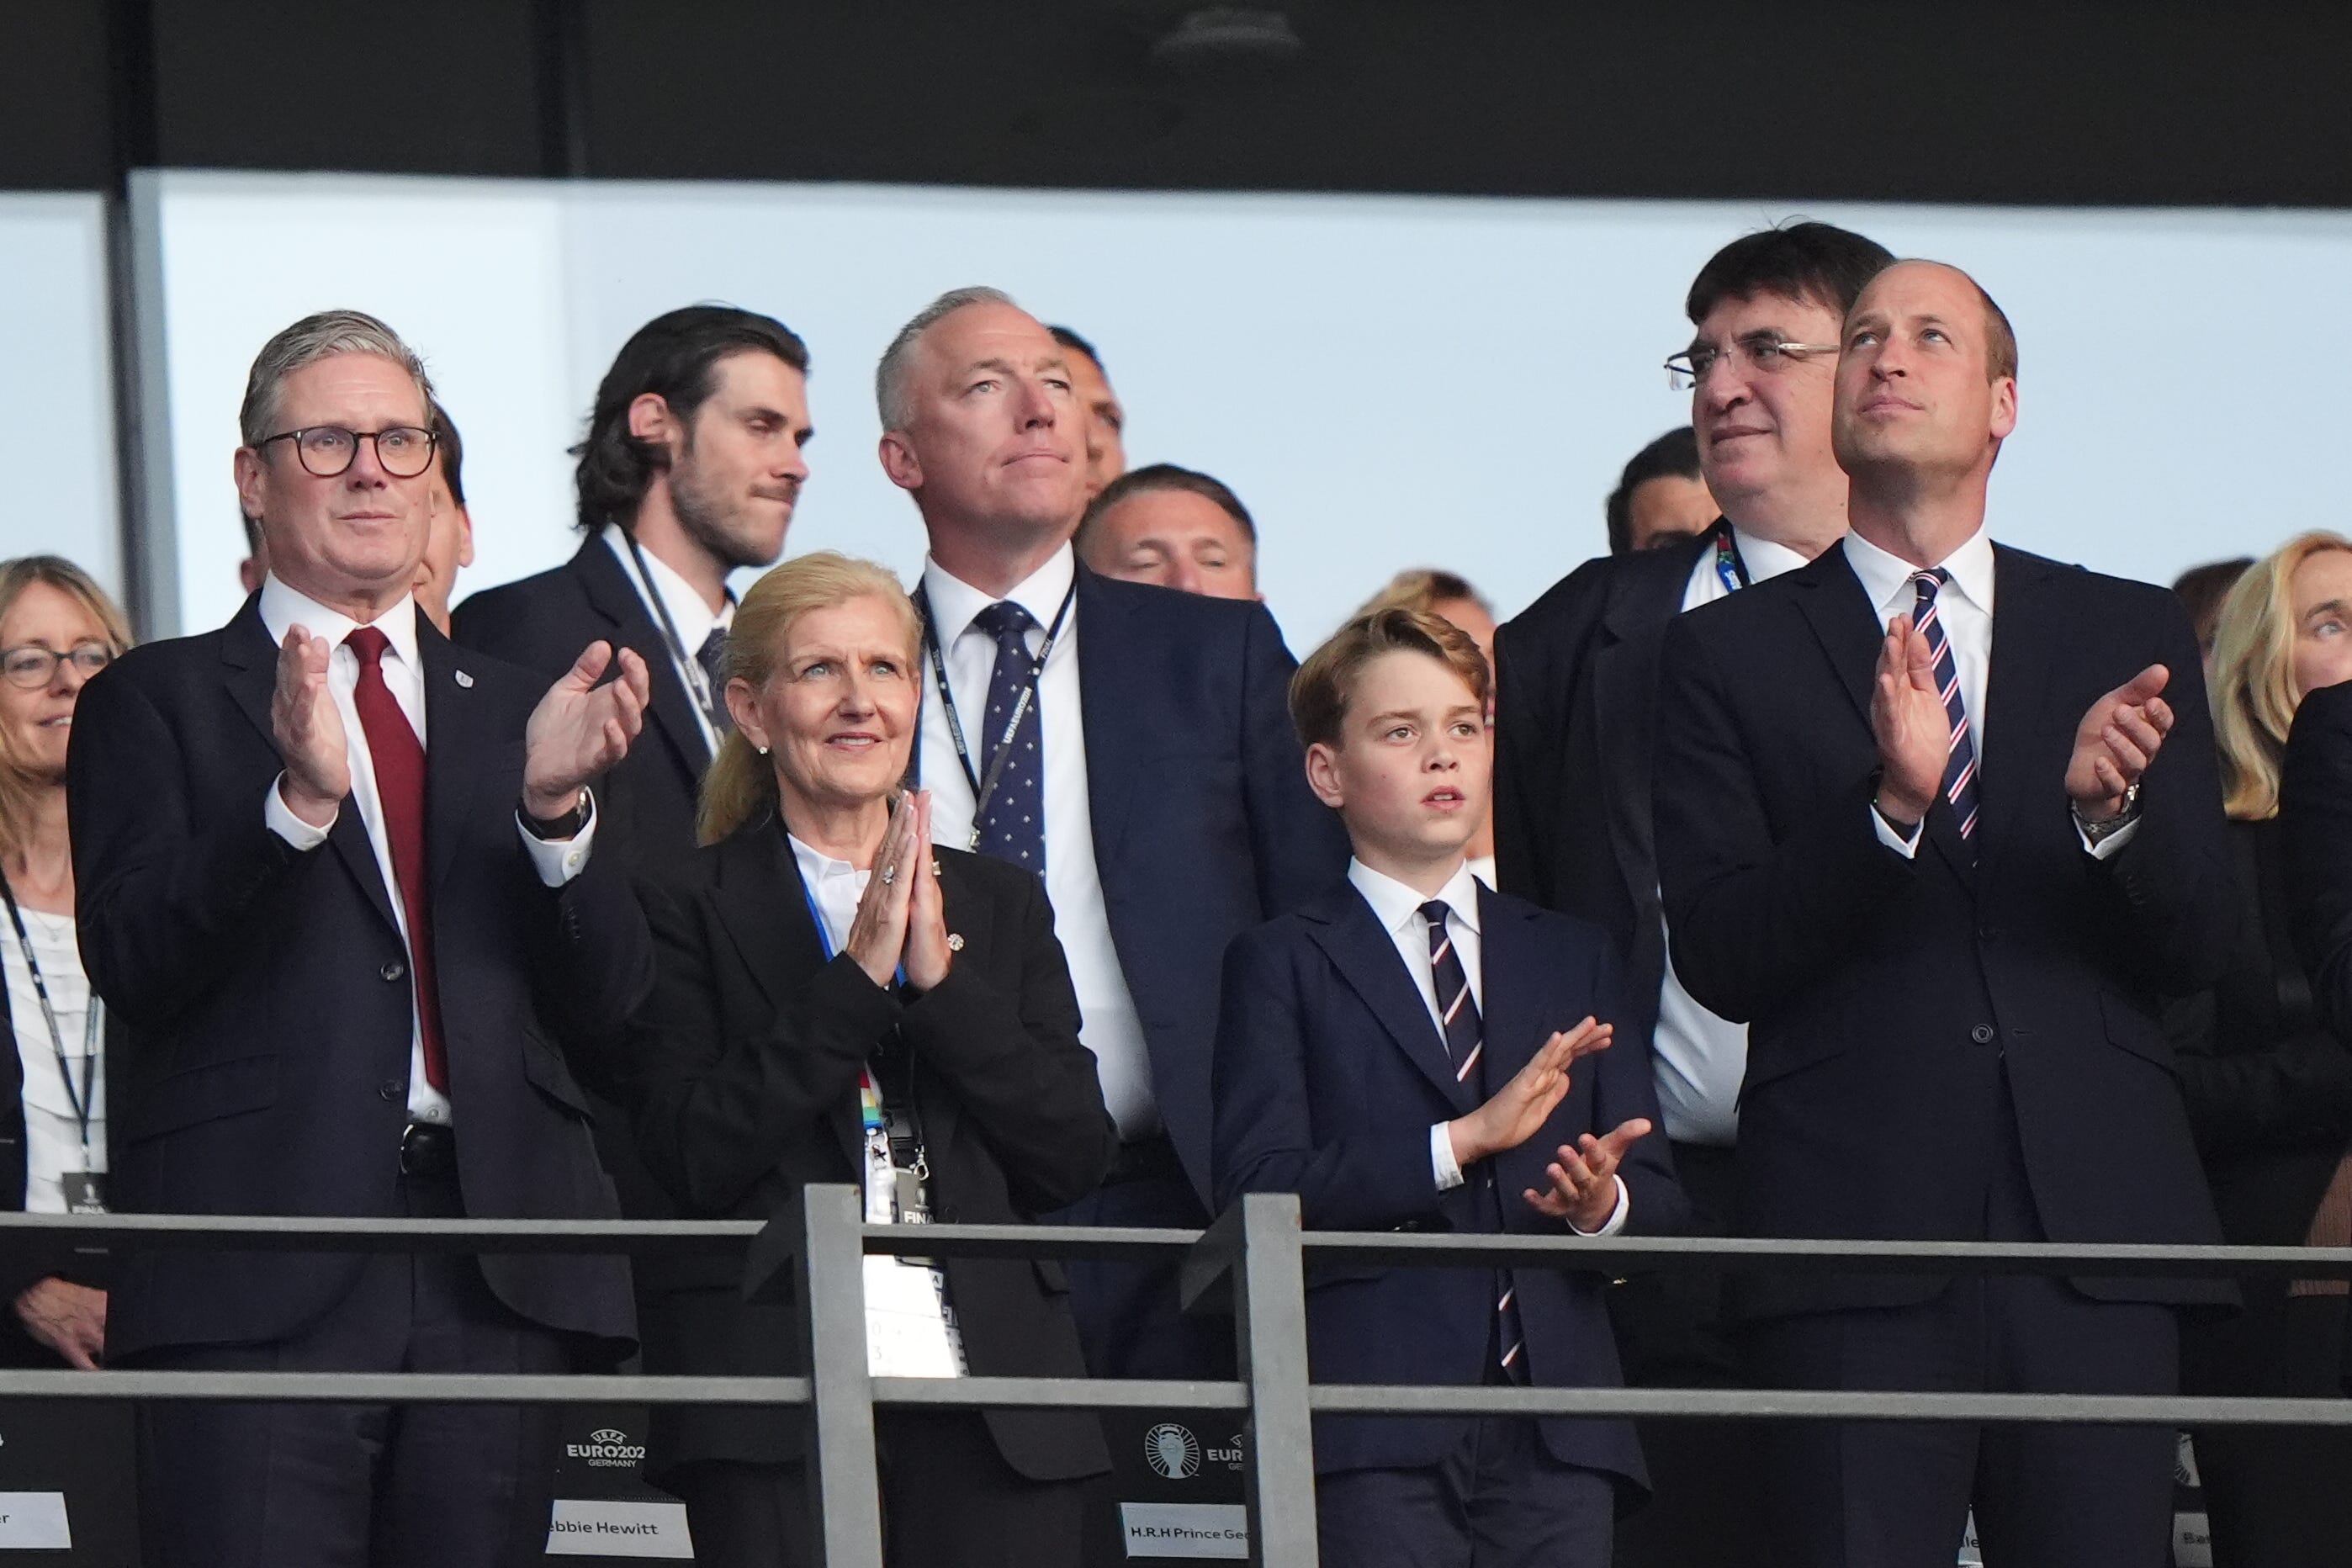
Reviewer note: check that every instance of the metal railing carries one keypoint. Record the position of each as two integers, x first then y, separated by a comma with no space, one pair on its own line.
1255,1256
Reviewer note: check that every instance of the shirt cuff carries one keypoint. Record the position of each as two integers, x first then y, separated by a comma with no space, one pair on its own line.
280,818
558,861
1906,848
2111,843
1616,1220
1441,1161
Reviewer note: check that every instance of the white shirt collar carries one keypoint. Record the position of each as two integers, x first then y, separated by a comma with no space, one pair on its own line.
956,603
1765,559
283,608
1394,904
817,867
688,611
1886,577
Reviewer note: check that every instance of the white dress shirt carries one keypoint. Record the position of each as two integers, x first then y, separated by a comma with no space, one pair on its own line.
283,608
53,1142
1964,609
1398,909
688,611
1698,1057
1112,1029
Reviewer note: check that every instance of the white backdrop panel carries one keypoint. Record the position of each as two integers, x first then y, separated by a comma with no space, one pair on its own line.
1386,381
56,409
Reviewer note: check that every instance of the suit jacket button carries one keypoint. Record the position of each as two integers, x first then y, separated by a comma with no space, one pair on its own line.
1982,1033
394,971
389,1089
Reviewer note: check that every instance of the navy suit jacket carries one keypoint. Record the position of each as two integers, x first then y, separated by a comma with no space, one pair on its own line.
1329,1073
265,1000
1203,825
1901,1011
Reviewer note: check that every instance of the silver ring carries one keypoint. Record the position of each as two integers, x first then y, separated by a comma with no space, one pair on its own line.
889,874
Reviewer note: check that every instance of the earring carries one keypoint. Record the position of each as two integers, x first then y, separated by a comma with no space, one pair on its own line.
763,751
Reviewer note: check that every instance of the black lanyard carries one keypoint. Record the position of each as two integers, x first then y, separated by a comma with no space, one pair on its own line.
983,788
689,667
81,1099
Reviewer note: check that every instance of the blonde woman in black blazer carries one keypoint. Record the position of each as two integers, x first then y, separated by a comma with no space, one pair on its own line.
817,942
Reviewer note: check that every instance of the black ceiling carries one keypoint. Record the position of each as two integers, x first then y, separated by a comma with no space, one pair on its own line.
1993,102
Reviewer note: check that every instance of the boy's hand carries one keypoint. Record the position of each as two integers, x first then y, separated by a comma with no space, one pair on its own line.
1521,1107
1584,1178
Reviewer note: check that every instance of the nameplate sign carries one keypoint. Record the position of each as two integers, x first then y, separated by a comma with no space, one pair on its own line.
34,1521
582,1527
1186,1530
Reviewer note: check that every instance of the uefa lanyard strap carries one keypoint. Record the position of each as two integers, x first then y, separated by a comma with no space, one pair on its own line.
1728,565
689,667
983,788
81,1096
894,1180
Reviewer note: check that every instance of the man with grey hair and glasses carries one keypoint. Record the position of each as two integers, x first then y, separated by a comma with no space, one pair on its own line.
1129,744
340,881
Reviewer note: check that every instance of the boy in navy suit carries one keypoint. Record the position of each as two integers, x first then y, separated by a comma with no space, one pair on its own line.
1398,1052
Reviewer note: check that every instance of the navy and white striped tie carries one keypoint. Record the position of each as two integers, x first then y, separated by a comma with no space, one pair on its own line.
1465,1045
1960,757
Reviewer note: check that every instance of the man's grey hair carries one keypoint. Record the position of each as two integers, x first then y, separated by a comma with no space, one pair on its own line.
306,342
891,378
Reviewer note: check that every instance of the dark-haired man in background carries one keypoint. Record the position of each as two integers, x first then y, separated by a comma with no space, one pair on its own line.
691,468
1574,726
1662,496
1175,528
1105,416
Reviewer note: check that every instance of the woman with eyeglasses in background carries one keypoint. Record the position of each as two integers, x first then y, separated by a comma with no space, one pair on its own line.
2269,1087
57,628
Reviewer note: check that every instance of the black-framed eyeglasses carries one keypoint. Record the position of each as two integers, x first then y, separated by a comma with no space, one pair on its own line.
1766,353
33,666
404,451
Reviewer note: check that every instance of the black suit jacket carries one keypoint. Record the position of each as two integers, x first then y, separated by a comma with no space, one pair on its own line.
1888,999
1330,1076
1203,825
1575,729
544,623
746,1063
266,999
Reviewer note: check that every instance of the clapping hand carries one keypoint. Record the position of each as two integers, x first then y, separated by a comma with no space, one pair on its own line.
1913,727
878,934
581,729
1517,1110
929,953
309,731
1584,1177
2115,742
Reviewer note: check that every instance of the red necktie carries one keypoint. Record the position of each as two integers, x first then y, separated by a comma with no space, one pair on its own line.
400,792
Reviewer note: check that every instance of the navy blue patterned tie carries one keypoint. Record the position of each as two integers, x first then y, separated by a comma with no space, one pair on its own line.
1458,1010
1012,825
1960,760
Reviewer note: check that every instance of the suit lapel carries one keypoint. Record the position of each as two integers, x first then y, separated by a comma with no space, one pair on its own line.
2017,686
1511,956
1116,732
249,668
1346,929
461,746
615,596
764,909
1843,621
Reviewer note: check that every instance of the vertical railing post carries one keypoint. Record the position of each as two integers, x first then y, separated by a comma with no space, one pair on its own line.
843,1483
1259,1243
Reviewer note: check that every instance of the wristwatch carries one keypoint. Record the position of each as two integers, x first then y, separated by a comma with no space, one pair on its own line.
2096,831
568,826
